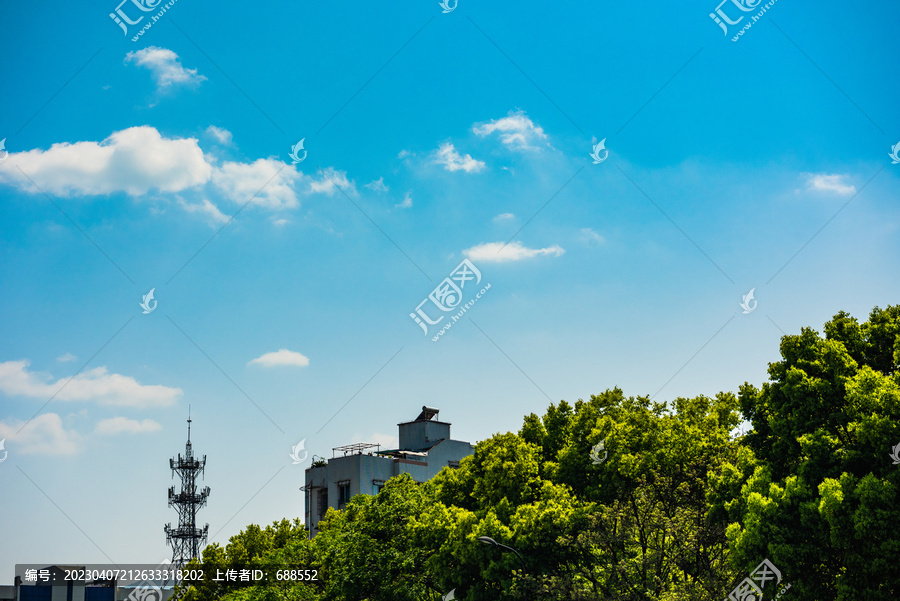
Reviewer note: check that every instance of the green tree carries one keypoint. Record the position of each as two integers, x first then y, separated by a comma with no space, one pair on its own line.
366,551
823,502
678,509
282,545
637,526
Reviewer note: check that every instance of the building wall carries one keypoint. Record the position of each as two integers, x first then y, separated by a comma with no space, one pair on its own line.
421,435
362,470
99,593
161,594
35,593
450,450
70,591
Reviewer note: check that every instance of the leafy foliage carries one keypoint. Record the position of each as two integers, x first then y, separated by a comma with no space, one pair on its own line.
823,500
681,509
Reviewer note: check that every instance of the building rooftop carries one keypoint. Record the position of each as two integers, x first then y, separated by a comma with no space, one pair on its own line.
356,448
428,414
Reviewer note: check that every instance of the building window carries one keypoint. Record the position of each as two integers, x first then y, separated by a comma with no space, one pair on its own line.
377,485
453,464
343,493
323,502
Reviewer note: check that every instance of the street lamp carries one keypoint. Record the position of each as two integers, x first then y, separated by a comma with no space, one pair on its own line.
489,541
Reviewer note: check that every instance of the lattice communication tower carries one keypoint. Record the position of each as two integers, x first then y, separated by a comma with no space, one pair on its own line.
186,539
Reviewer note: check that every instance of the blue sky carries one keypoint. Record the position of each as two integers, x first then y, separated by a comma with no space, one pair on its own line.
431,137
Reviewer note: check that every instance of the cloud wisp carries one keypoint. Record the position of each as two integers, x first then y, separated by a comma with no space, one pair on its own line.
124,425
447,156
834,183
281,358
165,67
95,385
43,435
517,131
498,252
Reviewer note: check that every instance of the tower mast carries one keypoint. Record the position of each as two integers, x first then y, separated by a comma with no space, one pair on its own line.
186,539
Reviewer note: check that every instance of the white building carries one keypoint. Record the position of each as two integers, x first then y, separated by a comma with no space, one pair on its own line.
425,448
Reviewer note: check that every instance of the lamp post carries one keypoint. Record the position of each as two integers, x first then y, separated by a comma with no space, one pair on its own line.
489,541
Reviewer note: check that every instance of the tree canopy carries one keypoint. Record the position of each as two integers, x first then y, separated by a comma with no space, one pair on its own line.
619,497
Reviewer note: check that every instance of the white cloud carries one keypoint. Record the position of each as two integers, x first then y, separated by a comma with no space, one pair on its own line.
239,182
447,156
329,181
591,237
406,203
164,66
44,435
205,207
138,160
403,154
829,183
134,160
280,222
124,425
378,186
93,385
281,357
516,130
66,358
497,252
221,135
504,217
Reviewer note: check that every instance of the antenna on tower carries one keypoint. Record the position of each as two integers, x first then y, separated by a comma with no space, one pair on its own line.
186,539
